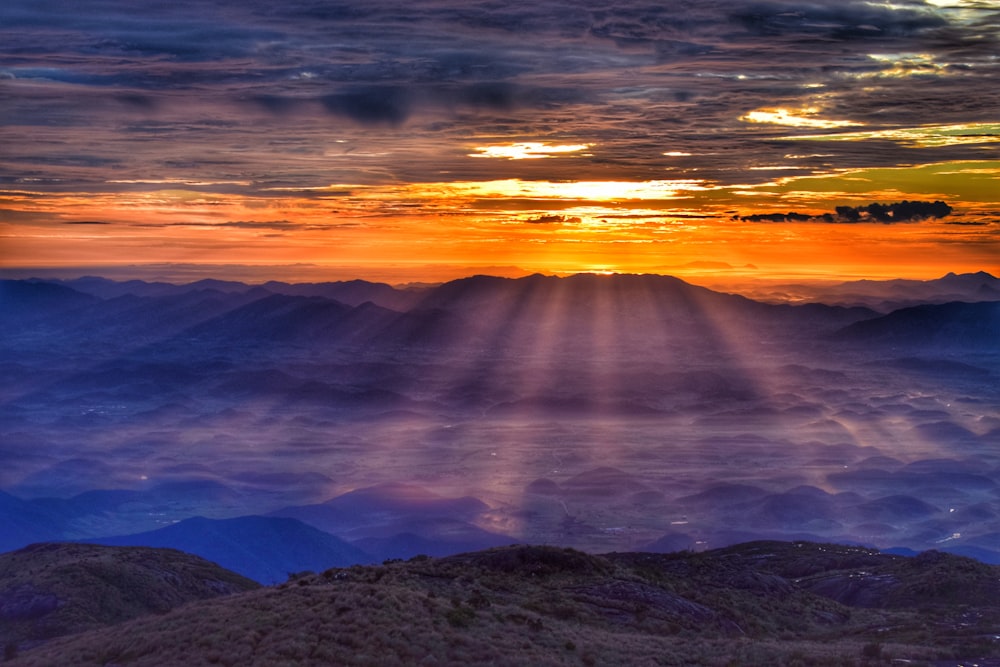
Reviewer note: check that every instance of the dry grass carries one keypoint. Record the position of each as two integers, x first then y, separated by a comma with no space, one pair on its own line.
541,606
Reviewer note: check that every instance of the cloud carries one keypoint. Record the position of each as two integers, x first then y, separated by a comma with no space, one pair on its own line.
553,219
227,93
530,150
840,21
394,104
904,211
928,136
371,105
794,118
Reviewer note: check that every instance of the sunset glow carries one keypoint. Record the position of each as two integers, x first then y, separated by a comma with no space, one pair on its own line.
411,145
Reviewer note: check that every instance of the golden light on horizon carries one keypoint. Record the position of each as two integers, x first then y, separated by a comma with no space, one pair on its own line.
581,190
536,225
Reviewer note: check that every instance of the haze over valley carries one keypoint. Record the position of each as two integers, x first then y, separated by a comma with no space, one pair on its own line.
603,412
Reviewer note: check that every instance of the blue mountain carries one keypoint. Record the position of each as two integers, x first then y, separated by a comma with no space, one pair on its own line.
265,549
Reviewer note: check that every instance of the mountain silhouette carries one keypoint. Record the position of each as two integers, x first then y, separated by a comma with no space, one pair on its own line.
265,549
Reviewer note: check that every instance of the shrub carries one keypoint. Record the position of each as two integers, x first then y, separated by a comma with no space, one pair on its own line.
460,617
872,651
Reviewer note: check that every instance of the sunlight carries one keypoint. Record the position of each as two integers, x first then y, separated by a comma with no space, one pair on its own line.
795,118
902,65
582,190
925,136
530,150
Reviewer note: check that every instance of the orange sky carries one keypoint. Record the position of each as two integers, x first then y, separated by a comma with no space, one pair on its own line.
432,231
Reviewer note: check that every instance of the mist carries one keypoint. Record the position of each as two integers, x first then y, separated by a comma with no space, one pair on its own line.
606,413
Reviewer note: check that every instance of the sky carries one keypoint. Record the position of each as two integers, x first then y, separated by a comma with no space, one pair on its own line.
430,139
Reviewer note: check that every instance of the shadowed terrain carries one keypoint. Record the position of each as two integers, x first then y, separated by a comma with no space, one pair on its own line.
50,590
761,603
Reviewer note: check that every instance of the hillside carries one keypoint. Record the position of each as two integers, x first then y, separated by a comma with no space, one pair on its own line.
956,325
762,603
50,590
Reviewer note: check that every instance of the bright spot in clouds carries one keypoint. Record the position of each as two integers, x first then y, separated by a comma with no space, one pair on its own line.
585,190
530,150
926,136
794,118
901,65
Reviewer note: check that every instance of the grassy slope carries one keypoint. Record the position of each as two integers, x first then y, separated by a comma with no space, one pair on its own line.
749,605
49,590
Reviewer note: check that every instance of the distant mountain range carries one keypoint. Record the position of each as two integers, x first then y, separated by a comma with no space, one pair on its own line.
580,314
888,295
265,549
504,314
754,604
350,292
382,522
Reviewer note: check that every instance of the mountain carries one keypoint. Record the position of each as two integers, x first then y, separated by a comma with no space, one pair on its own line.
945,326
109,289
55,316
761,603
401,521
282,319
888,295
353,292
428,537
50,590
25,522
23,301
587,315
160,316
350,292
384,505
584,315
265,549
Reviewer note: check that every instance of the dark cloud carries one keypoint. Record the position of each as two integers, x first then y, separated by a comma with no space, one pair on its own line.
86,222
180,90
836,20
371,105
394,105
553,219
904,211
777,217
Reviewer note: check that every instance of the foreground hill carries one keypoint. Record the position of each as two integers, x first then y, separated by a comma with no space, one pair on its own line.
762,603
49,590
